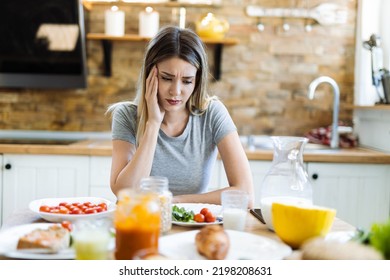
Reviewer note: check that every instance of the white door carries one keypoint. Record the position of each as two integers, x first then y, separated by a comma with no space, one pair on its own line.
359,192
30,177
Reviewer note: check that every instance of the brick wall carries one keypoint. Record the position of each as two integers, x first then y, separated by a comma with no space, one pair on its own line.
264,77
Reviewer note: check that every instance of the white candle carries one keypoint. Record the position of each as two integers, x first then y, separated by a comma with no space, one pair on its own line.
182,18
115,22
148,22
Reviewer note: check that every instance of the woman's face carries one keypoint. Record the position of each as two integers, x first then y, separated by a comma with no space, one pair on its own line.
176,82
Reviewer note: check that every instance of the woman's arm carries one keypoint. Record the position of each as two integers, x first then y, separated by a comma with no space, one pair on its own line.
237,171
131,164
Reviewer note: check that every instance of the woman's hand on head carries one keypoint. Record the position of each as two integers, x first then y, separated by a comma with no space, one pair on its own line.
155,111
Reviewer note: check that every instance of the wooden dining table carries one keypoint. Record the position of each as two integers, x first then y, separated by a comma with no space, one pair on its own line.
252,225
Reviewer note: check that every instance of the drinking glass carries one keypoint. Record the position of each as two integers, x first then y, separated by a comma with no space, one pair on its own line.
234,209
91,239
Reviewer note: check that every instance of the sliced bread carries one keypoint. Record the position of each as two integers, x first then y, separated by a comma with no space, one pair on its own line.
55,238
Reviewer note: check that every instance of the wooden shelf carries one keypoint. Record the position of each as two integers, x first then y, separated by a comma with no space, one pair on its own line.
169,4
137,38
108,40
129,37
374,107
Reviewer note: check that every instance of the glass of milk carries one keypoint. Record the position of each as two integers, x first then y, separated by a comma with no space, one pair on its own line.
234,209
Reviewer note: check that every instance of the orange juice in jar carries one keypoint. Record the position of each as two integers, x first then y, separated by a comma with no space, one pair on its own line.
137,223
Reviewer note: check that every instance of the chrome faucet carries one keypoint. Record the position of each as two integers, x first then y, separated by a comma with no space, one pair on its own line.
334,143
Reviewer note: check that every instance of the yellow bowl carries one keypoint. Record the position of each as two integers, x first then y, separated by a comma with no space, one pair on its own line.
294,224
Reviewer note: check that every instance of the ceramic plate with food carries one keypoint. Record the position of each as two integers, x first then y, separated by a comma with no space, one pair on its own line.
186,214
9,239
72,208
243,245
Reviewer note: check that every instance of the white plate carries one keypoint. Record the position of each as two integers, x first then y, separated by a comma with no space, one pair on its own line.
56,218
243,245
9,240
196,207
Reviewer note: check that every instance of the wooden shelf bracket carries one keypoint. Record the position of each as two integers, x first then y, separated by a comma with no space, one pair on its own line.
107,45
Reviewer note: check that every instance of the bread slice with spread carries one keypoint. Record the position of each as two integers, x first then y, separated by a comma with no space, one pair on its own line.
54,238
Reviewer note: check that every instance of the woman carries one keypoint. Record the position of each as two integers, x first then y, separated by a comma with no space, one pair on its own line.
173,128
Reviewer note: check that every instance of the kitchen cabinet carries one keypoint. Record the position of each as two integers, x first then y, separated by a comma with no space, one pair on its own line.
258,168
99,177
359,192
29,177
218,177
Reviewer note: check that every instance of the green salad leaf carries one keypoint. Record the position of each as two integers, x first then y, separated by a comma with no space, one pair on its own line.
380,238
180,214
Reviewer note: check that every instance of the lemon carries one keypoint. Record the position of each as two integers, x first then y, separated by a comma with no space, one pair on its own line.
294,224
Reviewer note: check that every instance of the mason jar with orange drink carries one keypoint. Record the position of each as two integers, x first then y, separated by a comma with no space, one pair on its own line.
137,223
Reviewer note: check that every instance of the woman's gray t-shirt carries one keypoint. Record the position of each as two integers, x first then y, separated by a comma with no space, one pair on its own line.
188,159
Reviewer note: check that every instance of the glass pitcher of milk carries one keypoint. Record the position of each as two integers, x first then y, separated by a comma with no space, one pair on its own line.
286,181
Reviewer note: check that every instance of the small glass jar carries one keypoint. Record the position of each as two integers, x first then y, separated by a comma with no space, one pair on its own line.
137,223
159,185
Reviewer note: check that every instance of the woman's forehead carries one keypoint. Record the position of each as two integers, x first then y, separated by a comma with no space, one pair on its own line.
175,66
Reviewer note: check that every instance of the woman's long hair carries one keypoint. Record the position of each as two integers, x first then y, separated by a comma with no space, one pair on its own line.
172,41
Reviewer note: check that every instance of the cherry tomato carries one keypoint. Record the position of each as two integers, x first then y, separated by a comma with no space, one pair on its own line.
88,204
210,218
199,218
67,225
72,207
77,204
75,208
90,211
103,205
64,210
75,211
68,205
204,211
44,208
54,211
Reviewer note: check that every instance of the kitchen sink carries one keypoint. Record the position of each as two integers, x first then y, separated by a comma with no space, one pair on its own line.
264,142
38,141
